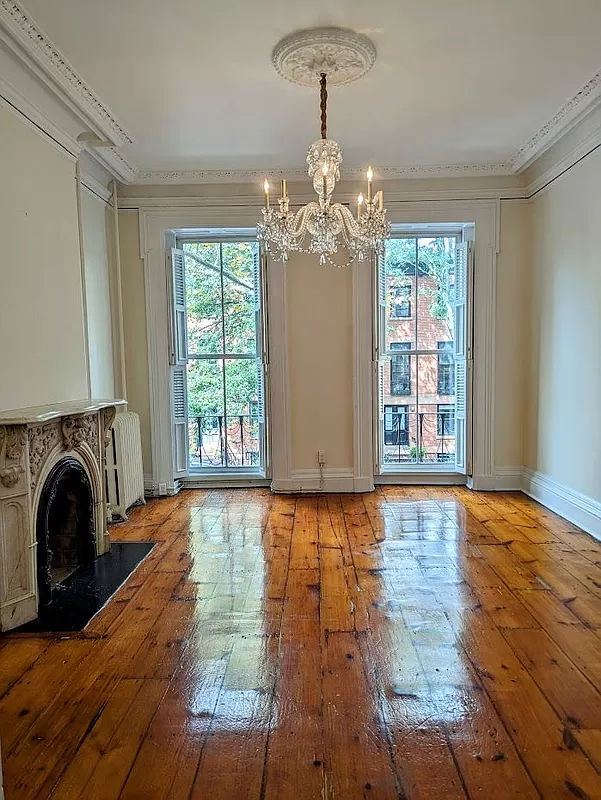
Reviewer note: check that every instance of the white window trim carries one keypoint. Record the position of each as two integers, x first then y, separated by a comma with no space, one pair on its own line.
155,224
484,215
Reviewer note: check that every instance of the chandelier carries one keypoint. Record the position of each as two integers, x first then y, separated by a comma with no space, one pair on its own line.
323,226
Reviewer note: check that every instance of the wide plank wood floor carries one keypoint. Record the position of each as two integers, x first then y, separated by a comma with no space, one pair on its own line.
410,643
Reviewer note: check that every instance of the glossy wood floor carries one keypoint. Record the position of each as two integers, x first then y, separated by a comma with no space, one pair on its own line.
411,643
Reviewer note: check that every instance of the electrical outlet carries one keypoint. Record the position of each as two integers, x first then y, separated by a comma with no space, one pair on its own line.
321,457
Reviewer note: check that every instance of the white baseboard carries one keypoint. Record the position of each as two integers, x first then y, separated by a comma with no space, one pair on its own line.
309,480
508,479
577,508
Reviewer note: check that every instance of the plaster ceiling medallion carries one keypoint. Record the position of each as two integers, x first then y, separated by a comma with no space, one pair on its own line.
321,226
344,55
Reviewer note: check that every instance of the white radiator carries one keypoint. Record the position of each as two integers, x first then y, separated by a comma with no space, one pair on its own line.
124,471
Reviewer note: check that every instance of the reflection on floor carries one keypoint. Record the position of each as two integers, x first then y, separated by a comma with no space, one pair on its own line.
418,643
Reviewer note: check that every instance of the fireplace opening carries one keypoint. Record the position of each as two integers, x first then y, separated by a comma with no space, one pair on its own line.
64,526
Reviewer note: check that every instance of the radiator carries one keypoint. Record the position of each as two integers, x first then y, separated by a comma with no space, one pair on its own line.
124,471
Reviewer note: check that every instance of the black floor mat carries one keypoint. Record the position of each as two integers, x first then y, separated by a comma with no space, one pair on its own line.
82,594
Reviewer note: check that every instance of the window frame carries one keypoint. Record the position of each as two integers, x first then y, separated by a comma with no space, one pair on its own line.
403,366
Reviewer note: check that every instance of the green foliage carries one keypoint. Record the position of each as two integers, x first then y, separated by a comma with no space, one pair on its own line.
416,453
432,257
220,297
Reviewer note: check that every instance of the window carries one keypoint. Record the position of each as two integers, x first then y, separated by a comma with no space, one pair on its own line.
400,307
223,370
400,370
445,420
396,425
446,368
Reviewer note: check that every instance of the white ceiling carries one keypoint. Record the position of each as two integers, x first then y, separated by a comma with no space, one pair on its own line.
455,82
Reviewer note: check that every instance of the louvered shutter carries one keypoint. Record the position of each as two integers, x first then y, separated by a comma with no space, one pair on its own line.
463,271
380,361
179,360
259,277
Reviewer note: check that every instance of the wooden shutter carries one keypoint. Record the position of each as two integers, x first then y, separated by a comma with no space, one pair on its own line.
260,284
463,272
178,358
380,361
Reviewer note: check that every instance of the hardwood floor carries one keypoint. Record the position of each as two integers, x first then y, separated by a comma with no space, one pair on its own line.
410,643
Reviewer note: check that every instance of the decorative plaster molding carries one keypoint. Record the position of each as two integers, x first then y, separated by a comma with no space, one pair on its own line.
20,27
384,173
568,115
112,160
341,53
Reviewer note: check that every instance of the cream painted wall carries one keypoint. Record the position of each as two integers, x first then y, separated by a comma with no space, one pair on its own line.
320,353
513,268
94,213
134,328
563,434
42,354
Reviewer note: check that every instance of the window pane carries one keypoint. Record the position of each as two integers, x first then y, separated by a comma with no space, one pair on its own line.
400,291
205,412
242,424
238,260
203,298
399,434
435,291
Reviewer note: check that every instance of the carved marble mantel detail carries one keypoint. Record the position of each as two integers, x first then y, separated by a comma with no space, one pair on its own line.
12,445
32,441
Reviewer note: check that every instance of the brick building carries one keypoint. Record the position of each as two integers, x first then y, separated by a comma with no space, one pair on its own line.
418,388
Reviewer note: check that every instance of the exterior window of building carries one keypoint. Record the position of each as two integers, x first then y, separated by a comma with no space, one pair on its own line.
446,368
445,420
396,425
400,307
400,370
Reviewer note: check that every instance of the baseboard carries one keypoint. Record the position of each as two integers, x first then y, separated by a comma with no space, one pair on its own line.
508,479
309,480
577,508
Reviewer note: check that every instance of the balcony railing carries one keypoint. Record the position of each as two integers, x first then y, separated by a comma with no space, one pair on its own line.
219,443
423,438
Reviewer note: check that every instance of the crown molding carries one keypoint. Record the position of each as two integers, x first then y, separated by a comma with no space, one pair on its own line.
572,111
34,48
383,173
112,160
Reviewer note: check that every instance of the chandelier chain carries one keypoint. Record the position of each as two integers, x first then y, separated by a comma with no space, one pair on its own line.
323,105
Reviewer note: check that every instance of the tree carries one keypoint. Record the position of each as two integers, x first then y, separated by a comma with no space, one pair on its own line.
433,257
220,297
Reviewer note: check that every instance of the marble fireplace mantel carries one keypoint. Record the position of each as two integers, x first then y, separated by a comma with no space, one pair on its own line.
32,441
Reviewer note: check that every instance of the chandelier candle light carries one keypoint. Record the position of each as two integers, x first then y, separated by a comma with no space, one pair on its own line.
321,226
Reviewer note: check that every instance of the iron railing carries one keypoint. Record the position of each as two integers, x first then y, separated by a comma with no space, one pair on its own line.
219,442
426,437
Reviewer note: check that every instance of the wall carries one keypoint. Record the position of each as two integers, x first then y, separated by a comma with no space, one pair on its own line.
563,429
320,355
95,220
511,362
42,356
134,328
319,320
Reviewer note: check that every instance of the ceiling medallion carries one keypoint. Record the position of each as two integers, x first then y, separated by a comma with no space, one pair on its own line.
344,56
312,58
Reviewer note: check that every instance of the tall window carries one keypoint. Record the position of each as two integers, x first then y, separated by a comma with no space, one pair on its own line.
400,370
224,375
446,368
416,334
